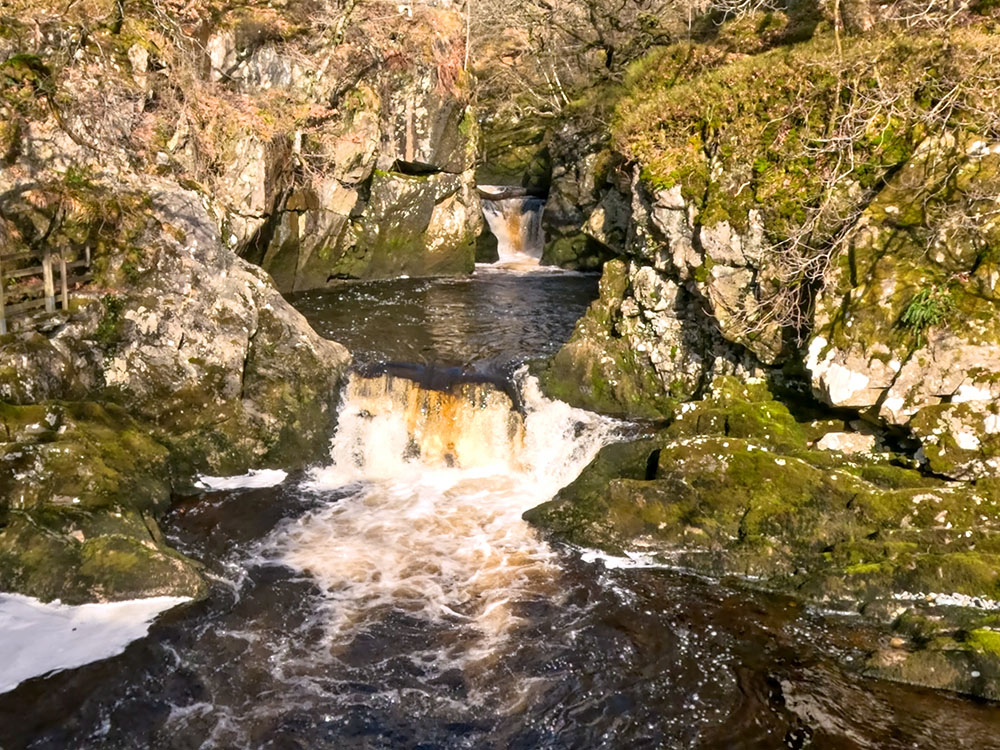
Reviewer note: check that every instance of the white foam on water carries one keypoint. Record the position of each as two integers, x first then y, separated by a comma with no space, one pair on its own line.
38,638
433,527
254,479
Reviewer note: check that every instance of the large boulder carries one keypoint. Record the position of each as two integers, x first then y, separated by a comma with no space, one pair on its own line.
194,340
642,347
183,358
81,486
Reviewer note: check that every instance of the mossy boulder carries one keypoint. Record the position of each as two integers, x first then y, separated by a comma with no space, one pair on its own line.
642,347
81,488
601,370
960,440
740,409
962,659
416,225
845,534
196,343
732,488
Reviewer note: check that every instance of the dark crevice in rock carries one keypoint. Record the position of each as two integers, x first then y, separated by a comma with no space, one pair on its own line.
416,168
256,247
652,465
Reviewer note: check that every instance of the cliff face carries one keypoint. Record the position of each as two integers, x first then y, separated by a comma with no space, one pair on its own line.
373,179
177,356
769,209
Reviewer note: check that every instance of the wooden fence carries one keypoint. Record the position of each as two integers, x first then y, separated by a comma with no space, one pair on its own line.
29,293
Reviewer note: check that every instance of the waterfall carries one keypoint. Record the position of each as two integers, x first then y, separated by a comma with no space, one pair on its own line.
516,221
436,483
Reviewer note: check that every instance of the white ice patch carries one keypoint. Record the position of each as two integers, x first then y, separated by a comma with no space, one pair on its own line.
255,479
967,392
617,562
949,600
38,638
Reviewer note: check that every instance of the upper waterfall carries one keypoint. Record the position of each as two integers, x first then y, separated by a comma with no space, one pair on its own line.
516,221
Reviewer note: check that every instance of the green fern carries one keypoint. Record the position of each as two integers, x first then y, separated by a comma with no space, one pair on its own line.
927,308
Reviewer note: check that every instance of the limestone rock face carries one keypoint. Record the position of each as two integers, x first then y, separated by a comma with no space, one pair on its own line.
717,261
641,348
659,334
846,442
907,326
193,362
199,342
586,217
308,207
430,213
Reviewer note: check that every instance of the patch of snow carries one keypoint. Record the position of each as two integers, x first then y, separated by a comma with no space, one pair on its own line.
967,392
38,638
254,479
949,600
616,562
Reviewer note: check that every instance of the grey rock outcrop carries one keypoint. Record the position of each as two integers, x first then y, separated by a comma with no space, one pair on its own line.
307,206
906,326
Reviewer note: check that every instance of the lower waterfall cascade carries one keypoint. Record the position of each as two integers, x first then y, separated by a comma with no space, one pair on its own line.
434,525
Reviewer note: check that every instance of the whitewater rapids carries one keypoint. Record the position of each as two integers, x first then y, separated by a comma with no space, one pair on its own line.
433,525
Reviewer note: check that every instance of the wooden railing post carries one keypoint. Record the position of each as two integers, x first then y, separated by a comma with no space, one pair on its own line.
64,282
3,304
50,283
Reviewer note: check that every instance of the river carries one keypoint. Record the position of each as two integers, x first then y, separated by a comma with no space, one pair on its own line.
392,597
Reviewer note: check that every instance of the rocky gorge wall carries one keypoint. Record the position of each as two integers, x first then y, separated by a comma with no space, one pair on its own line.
804,290
374,179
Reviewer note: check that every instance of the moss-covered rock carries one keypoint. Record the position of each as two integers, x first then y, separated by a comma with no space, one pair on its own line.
642,347
195,363
599,369
732,488
906,326
966,662
81,486
416,226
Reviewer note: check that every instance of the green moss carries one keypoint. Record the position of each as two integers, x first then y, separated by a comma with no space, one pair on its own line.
108,329
984,640
735,491
598,370
81,485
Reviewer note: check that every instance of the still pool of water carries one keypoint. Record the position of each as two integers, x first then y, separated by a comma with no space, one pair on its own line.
394,599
